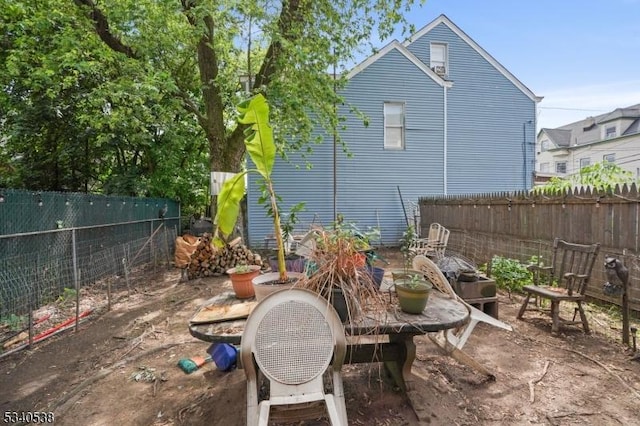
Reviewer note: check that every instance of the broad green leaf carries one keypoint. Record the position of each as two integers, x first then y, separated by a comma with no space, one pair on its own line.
229,203
258,136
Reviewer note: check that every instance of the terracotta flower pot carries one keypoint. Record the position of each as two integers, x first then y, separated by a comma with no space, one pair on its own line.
241,281
354,261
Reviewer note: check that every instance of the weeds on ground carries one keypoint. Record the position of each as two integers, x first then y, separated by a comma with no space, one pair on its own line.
510,274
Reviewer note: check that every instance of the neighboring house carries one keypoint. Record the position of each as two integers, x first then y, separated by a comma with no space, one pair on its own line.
444,118
613,137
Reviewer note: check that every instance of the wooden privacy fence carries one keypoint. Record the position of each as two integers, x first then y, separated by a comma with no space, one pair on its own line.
521,224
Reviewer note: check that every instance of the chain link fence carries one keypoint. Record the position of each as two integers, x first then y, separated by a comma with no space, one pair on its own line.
54,244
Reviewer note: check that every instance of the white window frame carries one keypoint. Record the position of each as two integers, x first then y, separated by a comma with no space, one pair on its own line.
561,163
544,167
395,144
444,62
610,158
584,162
613,134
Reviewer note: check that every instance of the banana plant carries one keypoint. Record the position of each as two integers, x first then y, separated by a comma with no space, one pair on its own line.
262,150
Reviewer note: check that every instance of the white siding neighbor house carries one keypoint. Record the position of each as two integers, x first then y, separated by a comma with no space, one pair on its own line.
613,137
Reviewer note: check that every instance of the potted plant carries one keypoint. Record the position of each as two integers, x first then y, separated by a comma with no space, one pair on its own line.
261,148
241,279
413,293
408,237
293,261
336,273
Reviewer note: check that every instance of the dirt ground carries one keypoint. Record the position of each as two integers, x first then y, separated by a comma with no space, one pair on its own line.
89,377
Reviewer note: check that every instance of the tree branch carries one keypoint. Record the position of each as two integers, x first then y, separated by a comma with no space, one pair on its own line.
191,106
290,15
101,25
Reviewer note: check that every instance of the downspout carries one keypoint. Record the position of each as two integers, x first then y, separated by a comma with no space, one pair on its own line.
525,162
444,182
524,156
335,150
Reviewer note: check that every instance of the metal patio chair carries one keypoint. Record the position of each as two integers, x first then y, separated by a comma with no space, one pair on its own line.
293,337
434,245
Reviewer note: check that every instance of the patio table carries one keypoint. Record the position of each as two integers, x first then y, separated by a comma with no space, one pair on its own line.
397,351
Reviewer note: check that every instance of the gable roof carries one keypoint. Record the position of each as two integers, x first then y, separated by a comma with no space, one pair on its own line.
629,112
442,19
634,128
586,131
395,45
559,137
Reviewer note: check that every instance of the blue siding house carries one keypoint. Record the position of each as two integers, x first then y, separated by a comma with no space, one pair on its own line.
444,118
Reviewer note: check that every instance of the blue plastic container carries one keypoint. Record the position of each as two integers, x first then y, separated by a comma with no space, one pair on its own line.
376,274
224,355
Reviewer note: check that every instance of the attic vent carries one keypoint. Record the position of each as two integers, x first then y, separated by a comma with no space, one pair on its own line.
440,70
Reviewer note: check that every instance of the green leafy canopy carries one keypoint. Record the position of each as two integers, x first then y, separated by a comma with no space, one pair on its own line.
603,176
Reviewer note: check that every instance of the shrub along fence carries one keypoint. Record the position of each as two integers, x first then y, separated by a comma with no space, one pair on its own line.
51,243
521,225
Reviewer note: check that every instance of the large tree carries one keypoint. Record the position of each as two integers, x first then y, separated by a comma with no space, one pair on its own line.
168,71
285,48
77,116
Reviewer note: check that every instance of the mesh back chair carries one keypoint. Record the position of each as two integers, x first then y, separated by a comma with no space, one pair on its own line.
293,337
452,341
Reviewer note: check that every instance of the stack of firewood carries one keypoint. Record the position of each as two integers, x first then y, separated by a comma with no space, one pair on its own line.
208,260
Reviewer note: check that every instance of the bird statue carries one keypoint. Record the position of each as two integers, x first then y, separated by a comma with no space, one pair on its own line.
617,276
163,211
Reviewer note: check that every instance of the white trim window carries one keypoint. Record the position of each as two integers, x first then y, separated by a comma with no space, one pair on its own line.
584,162
561,167
610,132
394,125
438,59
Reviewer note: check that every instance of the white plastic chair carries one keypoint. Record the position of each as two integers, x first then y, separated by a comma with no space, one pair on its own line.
291,337
452,341
434,245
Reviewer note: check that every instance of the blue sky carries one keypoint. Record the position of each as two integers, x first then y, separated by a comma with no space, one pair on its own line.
582,56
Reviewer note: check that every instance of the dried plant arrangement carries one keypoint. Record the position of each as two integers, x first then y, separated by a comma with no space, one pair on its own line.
337,271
